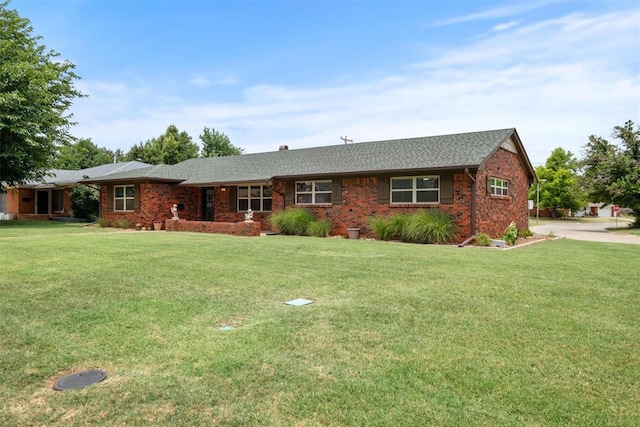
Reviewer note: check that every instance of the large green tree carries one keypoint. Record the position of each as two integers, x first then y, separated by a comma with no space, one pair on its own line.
81,155
169,148
559,187
217,144
611,172
36,91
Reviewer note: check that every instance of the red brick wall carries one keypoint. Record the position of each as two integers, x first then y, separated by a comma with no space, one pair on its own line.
360,202
155,204
15,203
495,213
241,228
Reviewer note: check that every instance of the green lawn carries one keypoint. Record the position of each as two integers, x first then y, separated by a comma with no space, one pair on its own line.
398,334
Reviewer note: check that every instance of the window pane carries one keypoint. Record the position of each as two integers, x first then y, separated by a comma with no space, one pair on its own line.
243,204
303,187
427,182
323,197
323,185
402,197
401,183
57,198
303,198
427,196
119,191
266,204
255,192
129,191
266,191
255,204
129,204
119,205
243,191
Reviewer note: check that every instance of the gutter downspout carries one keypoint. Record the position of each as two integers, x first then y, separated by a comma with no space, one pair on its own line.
473,201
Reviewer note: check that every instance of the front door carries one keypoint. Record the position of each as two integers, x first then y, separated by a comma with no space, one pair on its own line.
42,202
207,203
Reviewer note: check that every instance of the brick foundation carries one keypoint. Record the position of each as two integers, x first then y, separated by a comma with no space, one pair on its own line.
234,228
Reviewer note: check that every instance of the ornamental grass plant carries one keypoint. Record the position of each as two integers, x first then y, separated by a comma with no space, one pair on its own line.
427,226
292,221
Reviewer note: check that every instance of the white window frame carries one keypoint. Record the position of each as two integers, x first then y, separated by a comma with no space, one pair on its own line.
124,199
498,186
415,190
314,192
249,198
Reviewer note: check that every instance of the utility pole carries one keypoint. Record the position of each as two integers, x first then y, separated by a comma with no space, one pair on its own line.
345,139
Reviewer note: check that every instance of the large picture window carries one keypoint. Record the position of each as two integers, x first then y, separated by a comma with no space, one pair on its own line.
313,192
498,187
415,189
123,196
256,197
57,200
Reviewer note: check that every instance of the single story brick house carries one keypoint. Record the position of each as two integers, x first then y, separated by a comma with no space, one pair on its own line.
49,197
480,178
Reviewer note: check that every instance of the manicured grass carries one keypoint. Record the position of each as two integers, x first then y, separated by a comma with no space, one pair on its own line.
398,334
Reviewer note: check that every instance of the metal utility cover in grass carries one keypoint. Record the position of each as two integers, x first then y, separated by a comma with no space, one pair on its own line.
79,380
298,302
226,328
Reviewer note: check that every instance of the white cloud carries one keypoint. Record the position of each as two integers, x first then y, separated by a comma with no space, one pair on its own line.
516,8
199,80
556,81
506,26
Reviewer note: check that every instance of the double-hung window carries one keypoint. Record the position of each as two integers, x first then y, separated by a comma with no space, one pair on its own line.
498,187
123,196
313,192
256,197
415,189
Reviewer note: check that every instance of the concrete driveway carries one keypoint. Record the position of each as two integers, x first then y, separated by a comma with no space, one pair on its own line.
593,231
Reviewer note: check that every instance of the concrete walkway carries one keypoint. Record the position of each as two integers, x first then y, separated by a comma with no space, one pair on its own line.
592,231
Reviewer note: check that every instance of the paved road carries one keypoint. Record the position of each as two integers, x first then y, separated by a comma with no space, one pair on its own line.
586,230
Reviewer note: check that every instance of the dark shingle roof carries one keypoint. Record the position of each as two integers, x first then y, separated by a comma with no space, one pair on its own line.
62,177
424,153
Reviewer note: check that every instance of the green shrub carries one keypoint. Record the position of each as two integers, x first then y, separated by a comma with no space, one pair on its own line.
398,225
85,202
525,233
510,234
429,226
293,221
381,227
482,239
123,223
319,228
103,222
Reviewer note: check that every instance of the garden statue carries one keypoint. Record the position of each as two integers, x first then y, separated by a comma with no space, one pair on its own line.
248,216
174,211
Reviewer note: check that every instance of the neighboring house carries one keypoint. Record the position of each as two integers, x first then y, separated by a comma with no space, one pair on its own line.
50,197
481,179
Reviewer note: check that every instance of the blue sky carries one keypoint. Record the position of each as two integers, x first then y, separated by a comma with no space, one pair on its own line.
306,72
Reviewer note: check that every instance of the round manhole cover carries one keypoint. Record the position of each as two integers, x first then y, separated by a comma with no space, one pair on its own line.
79,379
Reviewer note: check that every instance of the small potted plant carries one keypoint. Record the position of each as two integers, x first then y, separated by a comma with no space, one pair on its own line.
157,225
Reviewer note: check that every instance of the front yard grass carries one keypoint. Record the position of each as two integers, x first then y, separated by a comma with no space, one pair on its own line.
398,334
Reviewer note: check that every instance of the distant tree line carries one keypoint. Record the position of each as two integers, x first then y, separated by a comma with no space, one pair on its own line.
170,148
